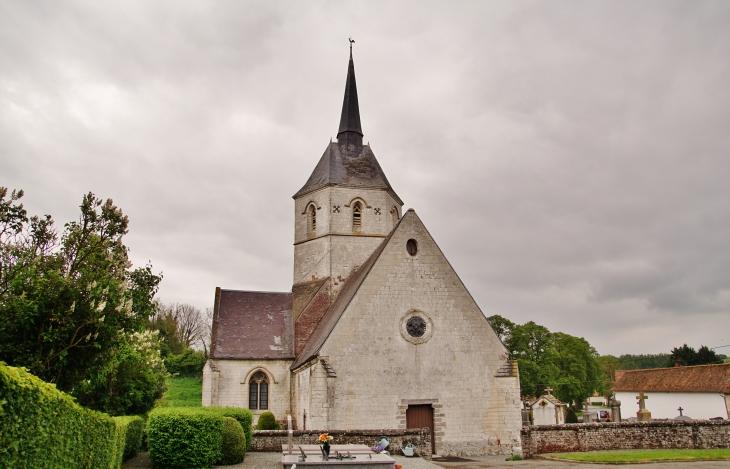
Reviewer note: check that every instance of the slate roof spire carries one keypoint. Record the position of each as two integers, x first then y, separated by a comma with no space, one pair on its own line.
349,136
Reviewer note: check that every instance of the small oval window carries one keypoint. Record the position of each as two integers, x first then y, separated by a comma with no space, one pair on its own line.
412,247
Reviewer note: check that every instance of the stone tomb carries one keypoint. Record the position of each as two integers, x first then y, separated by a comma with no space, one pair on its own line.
361,457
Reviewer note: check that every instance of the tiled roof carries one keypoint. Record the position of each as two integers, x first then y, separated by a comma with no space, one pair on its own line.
329,321
549,398
252,325
335,168
702,378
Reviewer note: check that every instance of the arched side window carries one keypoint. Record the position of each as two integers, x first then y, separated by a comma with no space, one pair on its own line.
312,214
356,216
258,391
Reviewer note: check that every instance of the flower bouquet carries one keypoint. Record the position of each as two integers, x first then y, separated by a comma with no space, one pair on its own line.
324,440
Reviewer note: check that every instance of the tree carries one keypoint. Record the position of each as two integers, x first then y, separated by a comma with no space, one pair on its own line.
130,382
527,343
68,303
573,367
181,326
501,326
687,356
609,364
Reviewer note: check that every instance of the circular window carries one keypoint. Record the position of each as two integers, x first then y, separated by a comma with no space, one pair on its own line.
416,326
412,247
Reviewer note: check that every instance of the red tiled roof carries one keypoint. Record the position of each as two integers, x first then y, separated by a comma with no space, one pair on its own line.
702,378
252,325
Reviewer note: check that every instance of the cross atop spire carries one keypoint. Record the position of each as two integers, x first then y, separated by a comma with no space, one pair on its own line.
349,135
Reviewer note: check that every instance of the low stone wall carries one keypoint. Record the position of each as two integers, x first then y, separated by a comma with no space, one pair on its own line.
664,434
275,440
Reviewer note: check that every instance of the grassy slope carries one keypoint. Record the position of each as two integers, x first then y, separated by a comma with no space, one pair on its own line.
182,392
647,455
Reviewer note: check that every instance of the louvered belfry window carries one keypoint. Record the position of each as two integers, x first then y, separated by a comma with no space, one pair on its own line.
357,216
258,391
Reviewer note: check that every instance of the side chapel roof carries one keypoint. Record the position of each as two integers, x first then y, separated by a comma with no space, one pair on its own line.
701,378
252,325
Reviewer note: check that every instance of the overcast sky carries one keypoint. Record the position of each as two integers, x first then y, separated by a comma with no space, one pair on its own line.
572,159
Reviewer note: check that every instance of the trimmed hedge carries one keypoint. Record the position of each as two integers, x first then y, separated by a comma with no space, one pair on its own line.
184,437
267,421
133,430
233,449
43,427
243,416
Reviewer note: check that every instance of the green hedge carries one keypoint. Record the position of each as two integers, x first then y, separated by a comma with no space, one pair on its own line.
133,431
243,416
233,450
184,437
267,421
189,363
43,427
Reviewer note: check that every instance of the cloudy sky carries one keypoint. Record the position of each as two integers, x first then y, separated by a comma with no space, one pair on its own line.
572,159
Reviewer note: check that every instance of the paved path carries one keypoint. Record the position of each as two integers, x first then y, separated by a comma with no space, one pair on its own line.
273,461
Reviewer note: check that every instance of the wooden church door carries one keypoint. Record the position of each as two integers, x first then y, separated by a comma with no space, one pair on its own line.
421,416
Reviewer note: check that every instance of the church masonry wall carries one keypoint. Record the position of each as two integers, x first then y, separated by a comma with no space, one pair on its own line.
377,369
232,385
336,248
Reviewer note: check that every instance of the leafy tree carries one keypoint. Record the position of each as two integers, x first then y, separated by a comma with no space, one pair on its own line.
575,372
528,344
501,326
688,356
68,302
609,364
130,382
642,362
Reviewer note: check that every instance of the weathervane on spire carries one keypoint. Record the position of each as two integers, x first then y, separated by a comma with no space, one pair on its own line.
352,41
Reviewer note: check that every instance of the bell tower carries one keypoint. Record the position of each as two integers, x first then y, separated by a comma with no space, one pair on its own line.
344,210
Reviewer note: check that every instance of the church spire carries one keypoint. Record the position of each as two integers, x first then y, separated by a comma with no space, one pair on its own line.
349,136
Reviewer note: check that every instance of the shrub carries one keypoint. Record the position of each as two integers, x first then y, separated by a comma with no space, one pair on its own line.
43,427
267,422
571,417
184,437
243,416
233,449
133,430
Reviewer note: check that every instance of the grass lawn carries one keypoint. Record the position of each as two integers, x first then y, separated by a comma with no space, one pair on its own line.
647,455
182,392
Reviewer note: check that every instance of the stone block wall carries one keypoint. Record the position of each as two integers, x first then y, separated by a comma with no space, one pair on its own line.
664,434
277,440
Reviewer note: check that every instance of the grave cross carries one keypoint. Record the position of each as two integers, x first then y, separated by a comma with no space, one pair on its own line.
641,397
680,411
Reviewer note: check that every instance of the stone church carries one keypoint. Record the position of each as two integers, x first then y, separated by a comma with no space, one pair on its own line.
378,330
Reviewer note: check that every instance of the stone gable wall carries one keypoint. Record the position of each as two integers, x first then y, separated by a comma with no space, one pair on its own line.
277,440
692,434
380,373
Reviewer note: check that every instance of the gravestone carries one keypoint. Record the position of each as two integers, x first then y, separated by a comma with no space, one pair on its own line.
643,415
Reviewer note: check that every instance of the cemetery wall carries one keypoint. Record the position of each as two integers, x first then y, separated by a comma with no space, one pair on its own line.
277,440
667,434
